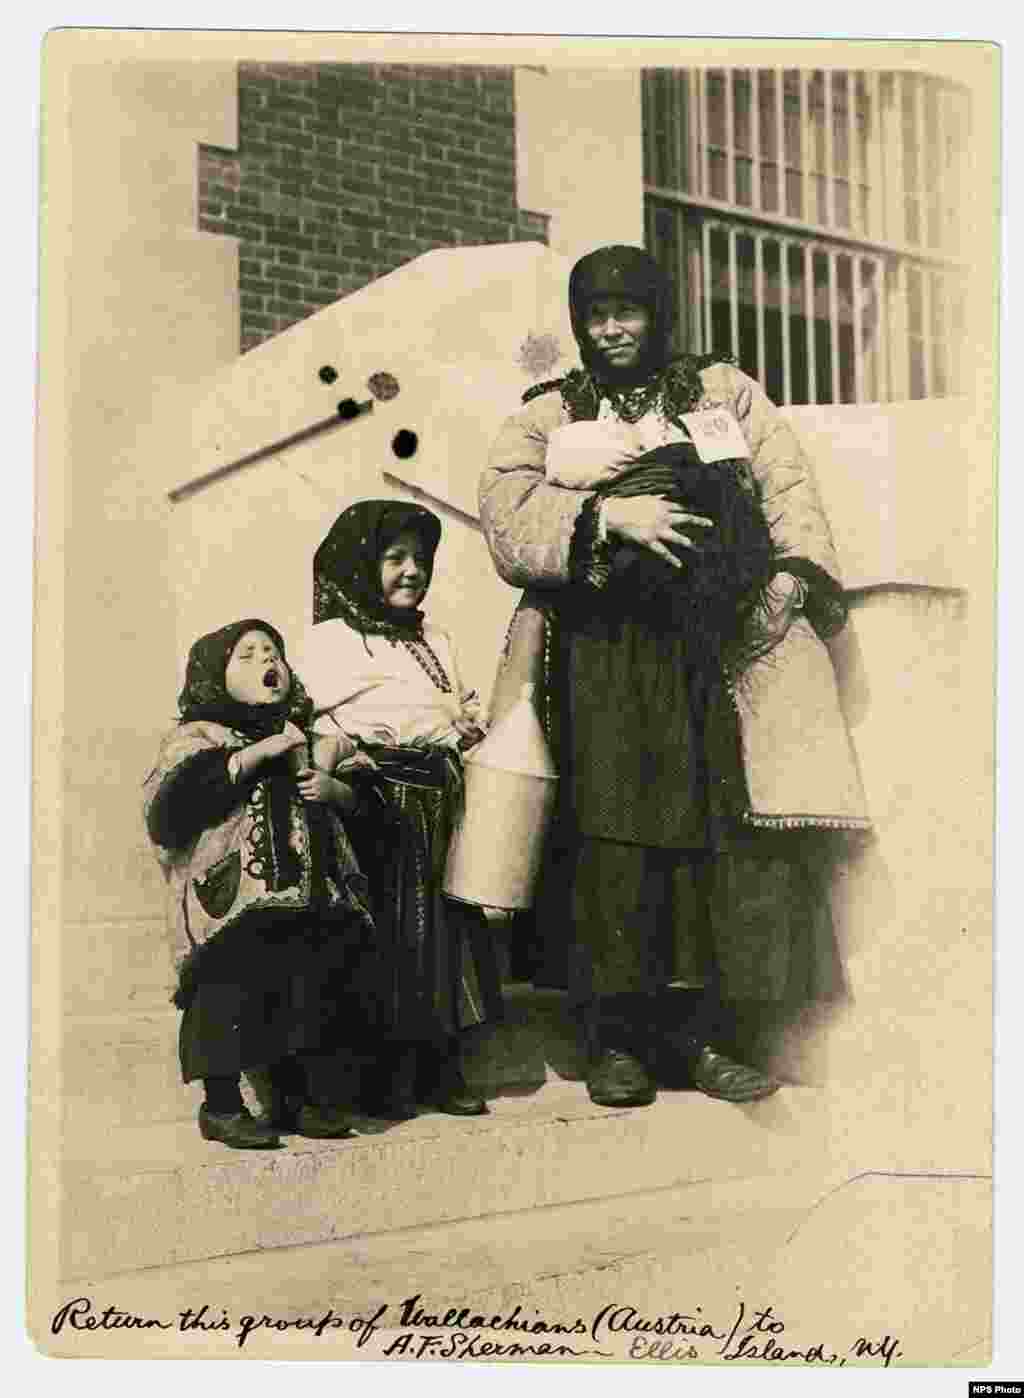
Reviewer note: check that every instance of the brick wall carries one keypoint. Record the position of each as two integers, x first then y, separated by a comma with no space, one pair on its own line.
345,171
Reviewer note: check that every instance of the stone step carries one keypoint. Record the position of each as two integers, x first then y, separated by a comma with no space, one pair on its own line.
147,1196
836,1257
495,1262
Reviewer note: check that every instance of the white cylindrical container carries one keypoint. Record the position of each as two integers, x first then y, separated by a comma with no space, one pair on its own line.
495,852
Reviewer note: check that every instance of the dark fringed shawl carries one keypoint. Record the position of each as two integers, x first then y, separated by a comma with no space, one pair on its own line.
717,599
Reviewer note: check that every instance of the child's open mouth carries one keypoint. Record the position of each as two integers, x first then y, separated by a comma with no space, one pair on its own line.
272,678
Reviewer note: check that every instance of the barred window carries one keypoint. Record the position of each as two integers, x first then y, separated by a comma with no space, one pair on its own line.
809,220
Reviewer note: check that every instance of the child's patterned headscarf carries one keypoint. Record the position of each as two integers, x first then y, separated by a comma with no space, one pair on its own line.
205,695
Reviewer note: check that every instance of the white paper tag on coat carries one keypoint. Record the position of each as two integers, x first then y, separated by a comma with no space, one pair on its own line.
716,434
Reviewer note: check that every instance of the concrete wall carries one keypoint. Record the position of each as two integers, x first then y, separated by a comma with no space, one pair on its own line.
579,154
149,303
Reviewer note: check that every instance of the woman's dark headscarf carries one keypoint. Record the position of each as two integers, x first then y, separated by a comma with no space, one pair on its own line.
346,566
628,274
205,695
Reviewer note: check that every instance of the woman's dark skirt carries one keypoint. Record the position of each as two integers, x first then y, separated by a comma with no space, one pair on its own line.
651,864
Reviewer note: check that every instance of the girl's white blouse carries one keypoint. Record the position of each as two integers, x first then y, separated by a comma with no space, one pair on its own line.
377,691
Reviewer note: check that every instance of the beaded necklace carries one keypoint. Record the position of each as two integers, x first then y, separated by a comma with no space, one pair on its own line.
429,662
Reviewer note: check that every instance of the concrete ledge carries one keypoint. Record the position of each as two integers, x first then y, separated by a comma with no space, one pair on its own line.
158,1194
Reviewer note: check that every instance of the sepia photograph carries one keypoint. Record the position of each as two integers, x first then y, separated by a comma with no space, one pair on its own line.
514,702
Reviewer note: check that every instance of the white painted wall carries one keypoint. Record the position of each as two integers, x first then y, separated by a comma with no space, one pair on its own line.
579,155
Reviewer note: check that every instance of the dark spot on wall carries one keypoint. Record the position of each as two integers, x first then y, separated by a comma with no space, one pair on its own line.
404,444
383,386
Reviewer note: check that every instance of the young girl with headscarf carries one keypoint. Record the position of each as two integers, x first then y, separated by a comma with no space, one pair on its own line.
380,673
276,955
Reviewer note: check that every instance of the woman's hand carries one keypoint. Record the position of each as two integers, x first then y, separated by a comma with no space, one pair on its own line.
654,523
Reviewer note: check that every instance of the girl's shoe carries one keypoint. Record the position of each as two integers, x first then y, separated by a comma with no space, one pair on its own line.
239,1130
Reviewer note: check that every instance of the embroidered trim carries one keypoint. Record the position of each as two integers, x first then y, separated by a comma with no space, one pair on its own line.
430,663
256,837
795,822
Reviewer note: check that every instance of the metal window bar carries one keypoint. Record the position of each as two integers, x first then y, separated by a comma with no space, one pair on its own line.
780,139
901,340
939,193
705,157
730,137
651,171
883,333
675,118
762,360
734,296
833,323
755,138
803,127
876,184
927,342
809,322
705,249
911,187
960,108
830,171
858,165
787,371
940,306
681,269
857,282
693,128
693,254
921,164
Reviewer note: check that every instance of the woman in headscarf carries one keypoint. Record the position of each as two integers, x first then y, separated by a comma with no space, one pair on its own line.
380,673
681,581
277,964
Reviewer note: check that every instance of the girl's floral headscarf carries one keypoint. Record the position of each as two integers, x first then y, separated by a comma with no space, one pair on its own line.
346,566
